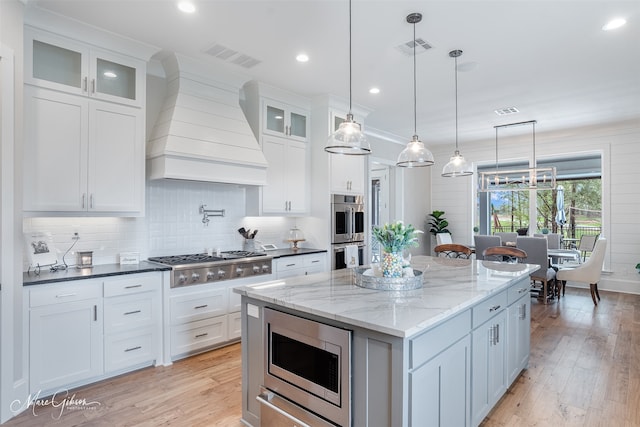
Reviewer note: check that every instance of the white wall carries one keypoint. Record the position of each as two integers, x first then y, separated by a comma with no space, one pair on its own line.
619,145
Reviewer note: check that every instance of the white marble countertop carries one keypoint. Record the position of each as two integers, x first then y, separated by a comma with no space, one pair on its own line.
450,286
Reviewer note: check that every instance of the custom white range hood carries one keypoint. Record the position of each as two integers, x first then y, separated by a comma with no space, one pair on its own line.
201,133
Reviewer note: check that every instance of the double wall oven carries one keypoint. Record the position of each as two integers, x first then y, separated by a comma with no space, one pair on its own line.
347,228
307,376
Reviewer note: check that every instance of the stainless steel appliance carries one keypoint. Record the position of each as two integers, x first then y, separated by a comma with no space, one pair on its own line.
338,260
347,221
195,269
307,363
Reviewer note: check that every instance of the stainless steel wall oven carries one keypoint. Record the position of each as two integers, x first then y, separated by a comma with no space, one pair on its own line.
309,364
347,221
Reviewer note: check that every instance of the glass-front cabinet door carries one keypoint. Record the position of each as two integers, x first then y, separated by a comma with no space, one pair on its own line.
280,119
56,62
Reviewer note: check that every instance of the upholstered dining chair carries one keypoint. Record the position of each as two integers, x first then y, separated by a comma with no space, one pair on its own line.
502,253
483,242
536,249
453,250
588,272
507,237
442,238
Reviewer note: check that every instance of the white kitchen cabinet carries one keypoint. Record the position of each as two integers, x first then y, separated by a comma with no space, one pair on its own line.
284,120
66,65
65,334
489,354
286,189
518,329
82,155
300,265
347,174
132,321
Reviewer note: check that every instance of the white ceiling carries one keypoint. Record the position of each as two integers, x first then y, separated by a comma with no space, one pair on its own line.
550,59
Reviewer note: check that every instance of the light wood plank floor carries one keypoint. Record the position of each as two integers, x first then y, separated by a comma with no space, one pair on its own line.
584,371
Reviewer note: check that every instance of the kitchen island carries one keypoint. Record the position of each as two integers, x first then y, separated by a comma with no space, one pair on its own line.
440,355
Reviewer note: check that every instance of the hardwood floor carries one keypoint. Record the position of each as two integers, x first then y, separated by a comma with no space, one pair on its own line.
584,371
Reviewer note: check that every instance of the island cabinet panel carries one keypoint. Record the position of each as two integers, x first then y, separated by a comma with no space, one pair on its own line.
518,329
488,370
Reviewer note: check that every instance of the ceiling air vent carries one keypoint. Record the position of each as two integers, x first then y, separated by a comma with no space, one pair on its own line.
507,111
407,47
224,53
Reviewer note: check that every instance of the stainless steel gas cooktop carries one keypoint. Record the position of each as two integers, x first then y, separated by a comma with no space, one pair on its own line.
195,269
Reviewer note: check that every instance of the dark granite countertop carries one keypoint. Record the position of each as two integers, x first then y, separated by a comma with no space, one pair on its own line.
281,253
103,270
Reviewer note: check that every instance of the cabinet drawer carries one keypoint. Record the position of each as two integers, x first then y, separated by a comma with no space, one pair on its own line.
489,308
128,312
429,344
198,335
55,294
131,284
515,292
129,349
313,260
289,263
198,306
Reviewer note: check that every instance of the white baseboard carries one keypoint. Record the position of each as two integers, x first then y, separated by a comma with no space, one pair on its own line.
625,286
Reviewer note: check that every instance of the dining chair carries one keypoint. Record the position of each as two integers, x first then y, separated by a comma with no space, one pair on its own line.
483,242
507,237
553,242
504,253
588,272
587,243
453,250
536,249
442,238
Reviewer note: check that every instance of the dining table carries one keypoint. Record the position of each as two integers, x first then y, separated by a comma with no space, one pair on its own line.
564,254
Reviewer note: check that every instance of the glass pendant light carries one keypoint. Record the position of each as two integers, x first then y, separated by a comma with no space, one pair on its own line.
416,154
457,165
348,139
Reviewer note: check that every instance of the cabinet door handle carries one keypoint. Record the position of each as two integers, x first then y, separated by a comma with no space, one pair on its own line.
91,201
65,295
84,84
132,312
201,306
494,308
133,348
93,85
497,333
95,313
492,335
202,335
84,195
133,286
523,311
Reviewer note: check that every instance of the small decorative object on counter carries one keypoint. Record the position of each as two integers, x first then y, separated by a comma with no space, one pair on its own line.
295,236
249,243
85,259
394,238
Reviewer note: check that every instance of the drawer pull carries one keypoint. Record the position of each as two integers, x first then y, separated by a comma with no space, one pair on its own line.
521,290
132,312
289,265
133,286
65,295
202,335
494,308
314,261
201,306
133,348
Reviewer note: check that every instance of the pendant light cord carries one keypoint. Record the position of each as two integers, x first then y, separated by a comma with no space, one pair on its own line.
456,74
350,78
415,102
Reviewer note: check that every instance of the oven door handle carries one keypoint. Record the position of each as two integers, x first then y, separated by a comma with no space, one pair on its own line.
266,398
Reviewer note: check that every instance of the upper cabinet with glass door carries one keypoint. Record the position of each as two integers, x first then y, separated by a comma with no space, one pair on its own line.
285,120
58,63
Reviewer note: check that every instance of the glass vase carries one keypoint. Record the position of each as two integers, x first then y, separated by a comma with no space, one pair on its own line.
392,263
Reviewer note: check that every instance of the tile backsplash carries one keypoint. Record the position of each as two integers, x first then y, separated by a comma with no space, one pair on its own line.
172,225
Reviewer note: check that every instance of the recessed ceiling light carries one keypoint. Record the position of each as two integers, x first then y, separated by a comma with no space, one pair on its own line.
614,23
374,90
186,7
303,57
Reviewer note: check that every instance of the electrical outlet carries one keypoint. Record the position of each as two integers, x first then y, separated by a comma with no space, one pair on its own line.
75,236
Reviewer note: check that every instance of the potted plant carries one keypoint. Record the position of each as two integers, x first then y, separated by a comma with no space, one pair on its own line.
638,267
438,223
394,238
